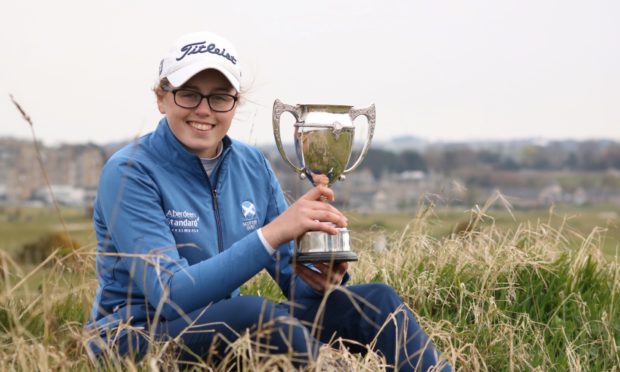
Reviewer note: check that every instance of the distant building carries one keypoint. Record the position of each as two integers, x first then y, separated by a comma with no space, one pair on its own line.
19,169
71,167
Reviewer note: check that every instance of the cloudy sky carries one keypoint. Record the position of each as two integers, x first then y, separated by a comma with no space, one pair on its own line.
440,70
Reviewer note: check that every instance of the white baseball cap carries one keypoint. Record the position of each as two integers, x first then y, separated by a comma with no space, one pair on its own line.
199,51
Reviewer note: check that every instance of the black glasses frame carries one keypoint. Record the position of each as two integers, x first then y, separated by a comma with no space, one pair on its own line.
204,96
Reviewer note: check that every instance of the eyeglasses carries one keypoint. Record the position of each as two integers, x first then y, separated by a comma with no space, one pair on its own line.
190,99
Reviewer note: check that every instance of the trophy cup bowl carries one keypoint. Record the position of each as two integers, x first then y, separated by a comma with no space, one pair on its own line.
323,140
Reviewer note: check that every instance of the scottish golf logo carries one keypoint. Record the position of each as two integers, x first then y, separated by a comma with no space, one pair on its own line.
182,221
248,210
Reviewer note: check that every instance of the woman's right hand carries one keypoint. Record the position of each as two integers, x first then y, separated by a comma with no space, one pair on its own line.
308,213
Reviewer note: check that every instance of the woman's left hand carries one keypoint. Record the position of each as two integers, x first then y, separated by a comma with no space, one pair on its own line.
326,276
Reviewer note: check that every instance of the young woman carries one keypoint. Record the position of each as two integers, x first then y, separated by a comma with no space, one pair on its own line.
187,215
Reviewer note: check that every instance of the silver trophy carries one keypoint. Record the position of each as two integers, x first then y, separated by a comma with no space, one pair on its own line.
323,143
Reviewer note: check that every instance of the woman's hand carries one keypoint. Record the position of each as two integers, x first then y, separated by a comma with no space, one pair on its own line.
308,213
326,277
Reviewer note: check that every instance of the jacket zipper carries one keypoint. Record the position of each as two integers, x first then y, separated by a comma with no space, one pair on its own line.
218,222
216,210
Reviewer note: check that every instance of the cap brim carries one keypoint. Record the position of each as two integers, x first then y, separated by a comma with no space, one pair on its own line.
182,75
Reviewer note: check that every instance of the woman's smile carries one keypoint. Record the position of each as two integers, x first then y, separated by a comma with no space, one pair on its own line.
201,126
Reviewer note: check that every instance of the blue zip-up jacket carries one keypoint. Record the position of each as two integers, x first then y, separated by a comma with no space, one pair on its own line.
172,240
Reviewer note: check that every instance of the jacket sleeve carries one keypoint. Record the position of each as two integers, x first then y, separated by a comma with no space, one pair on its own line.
136,225
280,269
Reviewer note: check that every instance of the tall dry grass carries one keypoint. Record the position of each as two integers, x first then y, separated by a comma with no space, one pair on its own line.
517,300
490,301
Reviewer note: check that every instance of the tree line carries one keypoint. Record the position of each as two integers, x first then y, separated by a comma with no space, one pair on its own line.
448,158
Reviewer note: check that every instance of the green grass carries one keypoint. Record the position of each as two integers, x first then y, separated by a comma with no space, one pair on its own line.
20,225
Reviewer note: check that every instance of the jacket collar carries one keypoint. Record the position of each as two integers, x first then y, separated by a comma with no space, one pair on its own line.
169,147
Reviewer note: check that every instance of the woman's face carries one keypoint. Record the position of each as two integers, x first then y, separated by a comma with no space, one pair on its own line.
200,129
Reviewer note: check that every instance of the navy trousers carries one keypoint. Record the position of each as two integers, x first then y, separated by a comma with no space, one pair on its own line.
368,314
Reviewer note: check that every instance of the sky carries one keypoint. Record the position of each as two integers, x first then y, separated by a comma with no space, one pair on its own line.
440,70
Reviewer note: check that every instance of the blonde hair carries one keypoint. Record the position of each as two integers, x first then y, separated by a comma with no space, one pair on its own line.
161,87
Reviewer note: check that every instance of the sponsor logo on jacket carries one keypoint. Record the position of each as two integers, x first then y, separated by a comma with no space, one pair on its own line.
182,221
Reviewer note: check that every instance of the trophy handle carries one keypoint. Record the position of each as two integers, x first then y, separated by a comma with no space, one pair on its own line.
370,114
278,109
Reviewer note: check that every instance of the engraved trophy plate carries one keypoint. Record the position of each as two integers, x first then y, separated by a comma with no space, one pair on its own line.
323,144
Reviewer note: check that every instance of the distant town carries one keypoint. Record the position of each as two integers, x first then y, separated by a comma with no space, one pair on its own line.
395,176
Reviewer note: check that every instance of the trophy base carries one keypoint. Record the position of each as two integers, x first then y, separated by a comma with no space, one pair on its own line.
335,257
318,246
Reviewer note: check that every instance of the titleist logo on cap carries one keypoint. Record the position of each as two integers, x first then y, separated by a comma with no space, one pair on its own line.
202,47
